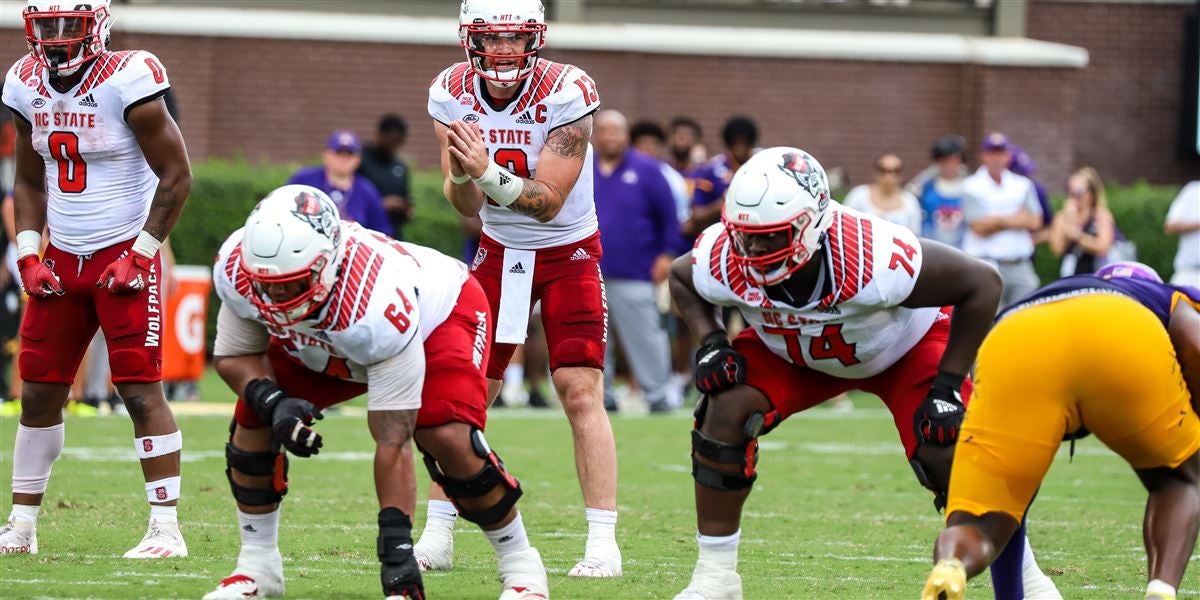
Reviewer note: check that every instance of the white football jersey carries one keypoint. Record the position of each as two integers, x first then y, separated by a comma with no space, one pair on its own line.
98,185
388,294
555,94
856,330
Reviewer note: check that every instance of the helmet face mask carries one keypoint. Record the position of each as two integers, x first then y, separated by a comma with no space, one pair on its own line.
291,247
502,38
776,211
64,41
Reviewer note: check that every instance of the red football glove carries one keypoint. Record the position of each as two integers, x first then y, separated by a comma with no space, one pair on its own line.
37,278
126,275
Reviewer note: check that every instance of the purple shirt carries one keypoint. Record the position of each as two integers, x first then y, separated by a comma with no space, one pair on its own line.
711,179
636,211
362,204
1158,297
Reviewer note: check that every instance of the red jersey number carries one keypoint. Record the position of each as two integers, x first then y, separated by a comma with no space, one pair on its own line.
588,86
72,171
156,70
902,256
399,315
830,344
513,159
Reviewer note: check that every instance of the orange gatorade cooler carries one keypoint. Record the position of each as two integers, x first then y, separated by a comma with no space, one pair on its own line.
183,333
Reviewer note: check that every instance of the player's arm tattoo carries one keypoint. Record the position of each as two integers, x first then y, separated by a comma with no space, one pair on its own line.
542,199
571,140
392,427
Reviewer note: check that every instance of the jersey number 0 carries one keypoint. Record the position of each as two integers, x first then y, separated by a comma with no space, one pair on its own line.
72,171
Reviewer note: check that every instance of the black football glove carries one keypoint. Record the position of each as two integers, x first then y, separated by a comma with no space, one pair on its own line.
718,365
940,416
289,417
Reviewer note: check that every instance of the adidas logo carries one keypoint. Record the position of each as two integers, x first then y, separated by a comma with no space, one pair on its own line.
517,269
944,407
525,119
88,101
250,528
830,310
504,179
581,254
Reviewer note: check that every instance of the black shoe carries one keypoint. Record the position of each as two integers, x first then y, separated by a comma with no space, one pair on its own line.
661,408
537,400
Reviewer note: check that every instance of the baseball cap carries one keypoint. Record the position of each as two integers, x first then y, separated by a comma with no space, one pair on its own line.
995,141
344,139
949,145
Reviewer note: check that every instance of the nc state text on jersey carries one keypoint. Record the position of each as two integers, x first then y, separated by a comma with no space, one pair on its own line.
78,120
509,136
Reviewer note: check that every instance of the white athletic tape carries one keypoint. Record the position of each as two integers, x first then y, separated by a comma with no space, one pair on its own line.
163,490
158,445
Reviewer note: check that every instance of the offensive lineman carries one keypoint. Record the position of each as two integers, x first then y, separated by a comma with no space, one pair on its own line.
313,306
837,300
514,132
103,165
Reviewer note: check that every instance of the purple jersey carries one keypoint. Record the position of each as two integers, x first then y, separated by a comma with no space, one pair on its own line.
1160,298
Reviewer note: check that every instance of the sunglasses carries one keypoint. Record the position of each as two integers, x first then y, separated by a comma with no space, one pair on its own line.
1077,192
890,171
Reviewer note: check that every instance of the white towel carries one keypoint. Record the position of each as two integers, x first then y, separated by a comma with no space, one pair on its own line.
516,286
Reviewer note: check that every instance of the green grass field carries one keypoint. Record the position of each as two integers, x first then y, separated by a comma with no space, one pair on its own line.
836,513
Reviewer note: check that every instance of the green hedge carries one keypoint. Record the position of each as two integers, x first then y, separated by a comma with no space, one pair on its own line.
223,192
1139,211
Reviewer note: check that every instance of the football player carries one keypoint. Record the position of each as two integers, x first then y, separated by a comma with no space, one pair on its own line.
316,311
514,131
836,300
103,165
1116,354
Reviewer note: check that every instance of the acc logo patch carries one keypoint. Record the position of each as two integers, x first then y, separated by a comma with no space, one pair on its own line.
39,102
471,118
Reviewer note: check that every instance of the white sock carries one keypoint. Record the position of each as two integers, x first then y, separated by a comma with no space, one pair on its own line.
509,539
259,530
440,513
1027,559
24,512
34,453
163,514
718,551
602,525
1159,586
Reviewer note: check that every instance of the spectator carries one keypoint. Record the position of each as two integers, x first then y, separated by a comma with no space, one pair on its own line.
885,198
1022,164
638,229
1082,233
356,197
712,178
1183,219
381,164
685,138
939,192
1002,212
650,139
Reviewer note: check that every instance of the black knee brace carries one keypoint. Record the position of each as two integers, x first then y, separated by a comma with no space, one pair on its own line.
398,570
273,464
491,475
744,455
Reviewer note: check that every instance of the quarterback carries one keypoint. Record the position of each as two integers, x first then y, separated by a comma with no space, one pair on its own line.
1117,354
316,311
514,132
102,165
836,300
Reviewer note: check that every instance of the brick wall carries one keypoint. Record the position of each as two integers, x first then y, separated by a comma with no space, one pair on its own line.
278,99
1130,95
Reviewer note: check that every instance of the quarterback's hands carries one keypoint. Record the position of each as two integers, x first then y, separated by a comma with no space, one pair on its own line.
939,418
289,417
37,278
126,275
466,146
718,365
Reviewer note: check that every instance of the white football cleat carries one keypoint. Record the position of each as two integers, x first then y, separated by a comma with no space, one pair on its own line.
259,574
18,537
435,550
713,585
523,576
163,540
599,560
1038,586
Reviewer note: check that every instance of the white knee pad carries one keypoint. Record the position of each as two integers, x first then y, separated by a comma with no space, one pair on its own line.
34,454
163,490
158,445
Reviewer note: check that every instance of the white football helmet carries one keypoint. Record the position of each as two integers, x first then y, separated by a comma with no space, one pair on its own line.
64,39
779,189
502,18
293,235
